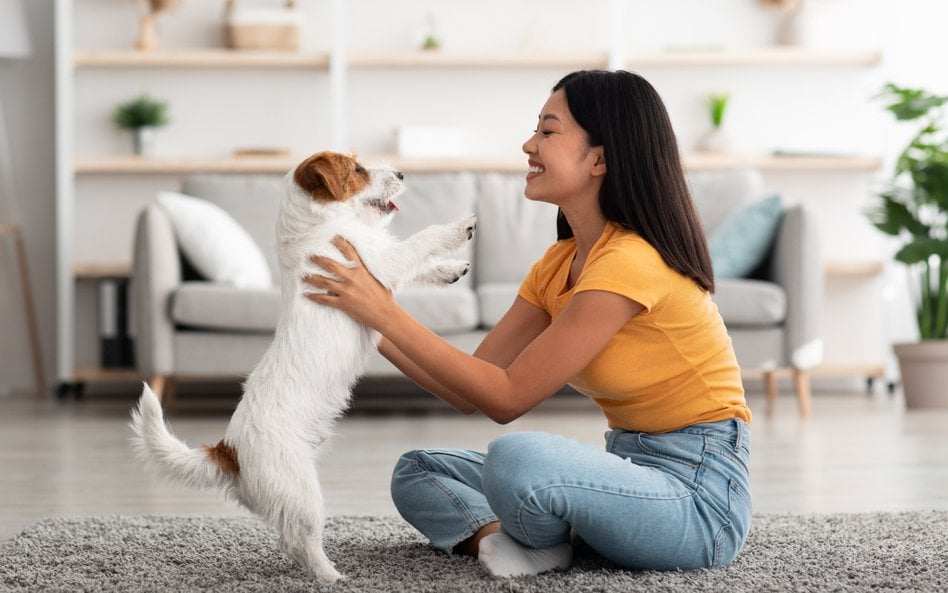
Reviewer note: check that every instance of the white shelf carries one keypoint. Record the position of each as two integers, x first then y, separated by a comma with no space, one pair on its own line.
197,58
758,56
227,164
228,58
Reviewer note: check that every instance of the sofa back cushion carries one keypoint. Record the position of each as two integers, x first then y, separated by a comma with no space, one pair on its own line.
718,193
252,200
512,231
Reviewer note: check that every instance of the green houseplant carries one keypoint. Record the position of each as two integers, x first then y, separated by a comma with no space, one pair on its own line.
142,115
717,139
914,208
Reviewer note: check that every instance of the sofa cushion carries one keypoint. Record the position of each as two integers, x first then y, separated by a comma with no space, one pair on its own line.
253,200
207,305
446,310
215,244
512,231
717,193
495,299
750,302
219,306
742,241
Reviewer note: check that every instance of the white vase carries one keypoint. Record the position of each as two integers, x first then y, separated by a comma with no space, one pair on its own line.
716,140
795,25
144,140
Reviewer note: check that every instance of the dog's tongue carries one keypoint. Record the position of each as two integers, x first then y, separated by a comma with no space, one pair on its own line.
393,205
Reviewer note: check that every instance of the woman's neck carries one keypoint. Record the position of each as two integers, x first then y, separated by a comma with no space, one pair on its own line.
587,227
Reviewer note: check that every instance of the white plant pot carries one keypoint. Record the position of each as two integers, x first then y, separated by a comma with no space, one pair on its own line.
716,140
924,369
796,24
144,140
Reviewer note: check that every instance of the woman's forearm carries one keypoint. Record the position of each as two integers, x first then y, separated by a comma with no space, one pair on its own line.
479,383
421,378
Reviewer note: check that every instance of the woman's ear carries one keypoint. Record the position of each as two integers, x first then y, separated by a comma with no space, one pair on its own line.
599,162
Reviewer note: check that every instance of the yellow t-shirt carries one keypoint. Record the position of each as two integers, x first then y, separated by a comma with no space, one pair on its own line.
670,366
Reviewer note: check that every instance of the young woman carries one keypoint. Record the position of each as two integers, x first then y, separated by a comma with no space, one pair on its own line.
620,308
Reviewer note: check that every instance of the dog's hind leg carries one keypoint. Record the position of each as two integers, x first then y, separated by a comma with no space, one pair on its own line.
301,529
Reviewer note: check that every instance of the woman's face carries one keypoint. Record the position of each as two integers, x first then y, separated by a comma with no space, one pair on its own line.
563,166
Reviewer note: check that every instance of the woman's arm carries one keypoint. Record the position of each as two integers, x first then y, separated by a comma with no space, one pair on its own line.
504,393
516,329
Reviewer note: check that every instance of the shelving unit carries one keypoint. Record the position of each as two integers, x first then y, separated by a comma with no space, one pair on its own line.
339,65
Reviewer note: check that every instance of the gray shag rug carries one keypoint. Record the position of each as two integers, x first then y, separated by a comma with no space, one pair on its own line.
838,552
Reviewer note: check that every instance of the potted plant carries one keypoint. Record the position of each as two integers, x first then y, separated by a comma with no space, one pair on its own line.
142,115
914,208
717,139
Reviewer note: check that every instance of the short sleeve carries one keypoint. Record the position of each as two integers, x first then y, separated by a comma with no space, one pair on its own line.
529,288
629,267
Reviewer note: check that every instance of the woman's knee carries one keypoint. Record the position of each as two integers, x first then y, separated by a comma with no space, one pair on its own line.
513,460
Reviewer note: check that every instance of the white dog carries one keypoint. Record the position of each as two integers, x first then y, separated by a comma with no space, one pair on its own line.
267,459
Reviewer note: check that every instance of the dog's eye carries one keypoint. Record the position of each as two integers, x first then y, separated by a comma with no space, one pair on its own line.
360,169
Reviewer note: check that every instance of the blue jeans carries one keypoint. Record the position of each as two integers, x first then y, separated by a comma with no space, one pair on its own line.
676,500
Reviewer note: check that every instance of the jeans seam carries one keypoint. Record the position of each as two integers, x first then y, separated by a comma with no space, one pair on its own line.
472,522
533,493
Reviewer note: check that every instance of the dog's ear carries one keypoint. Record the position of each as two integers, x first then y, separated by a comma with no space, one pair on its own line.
323,176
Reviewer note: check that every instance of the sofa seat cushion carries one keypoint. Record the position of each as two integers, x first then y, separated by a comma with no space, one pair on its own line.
206,305
211,305
445,310
495,299
750,302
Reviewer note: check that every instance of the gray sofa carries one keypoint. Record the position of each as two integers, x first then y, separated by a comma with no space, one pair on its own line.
186,327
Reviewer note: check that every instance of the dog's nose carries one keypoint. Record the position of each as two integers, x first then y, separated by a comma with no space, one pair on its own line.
400,175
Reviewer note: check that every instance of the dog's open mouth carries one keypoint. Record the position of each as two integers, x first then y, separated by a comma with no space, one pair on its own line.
385,205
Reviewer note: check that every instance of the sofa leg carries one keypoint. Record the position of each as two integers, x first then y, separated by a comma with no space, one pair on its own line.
770,383
165,387
157,384
801,383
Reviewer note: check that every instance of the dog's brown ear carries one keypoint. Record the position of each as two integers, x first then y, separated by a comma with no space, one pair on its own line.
323,176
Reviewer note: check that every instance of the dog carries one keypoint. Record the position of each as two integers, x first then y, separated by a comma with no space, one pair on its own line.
303,384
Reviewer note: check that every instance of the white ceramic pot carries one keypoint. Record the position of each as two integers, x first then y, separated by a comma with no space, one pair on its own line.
144,139
924,368
716,140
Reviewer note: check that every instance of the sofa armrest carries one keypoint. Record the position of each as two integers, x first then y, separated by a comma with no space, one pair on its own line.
156,273
797,266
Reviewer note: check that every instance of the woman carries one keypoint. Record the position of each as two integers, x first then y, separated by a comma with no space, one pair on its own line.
620,308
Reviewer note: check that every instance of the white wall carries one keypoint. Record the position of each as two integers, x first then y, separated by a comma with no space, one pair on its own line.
807,108
27,96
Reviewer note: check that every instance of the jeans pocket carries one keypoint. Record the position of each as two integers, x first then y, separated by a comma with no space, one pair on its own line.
731,537
685,452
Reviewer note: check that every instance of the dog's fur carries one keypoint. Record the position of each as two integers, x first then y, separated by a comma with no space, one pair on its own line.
267,459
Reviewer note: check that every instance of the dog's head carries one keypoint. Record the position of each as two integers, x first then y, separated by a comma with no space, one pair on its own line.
335,179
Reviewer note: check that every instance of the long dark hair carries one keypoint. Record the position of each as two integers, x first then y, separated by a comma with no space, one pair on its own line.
644,187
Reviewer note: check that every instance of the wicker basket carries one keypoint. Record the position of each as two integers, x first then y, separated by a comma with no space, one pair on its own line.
274,28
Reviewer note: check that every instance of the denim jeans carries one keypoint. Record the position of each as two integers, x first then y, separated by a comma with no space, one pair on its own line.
668,501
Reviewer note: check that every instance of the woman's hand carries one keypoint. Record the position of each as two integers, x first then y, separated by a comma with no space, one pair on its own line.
356,291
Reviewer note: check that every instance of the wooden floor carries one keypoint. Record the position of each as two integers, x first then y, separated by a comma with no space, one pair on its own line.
856,452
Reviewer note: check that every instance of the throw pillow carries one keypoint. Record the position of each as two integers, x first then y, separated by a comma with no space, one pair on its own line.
216,245
741,242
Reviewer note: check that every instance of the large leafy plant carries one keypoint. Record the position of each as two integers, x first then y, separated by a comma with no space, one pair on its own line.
914,207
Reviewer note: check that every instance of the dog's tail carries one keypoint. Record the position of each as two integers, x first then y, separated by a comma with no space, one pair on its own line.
207,467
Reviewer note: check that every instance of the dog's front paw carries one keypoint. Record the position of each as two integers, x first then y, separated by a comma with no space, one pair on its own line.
445,272
469,225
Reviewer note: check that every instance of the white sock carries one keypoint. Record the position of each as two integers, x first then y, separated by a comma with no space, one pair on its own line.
502,556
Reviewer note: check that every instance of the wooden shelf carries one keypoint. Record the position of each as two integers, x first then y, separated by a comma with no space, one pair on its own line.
437,59
227,164
198,58
706,161
224,164
758,56
855,268
100,271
